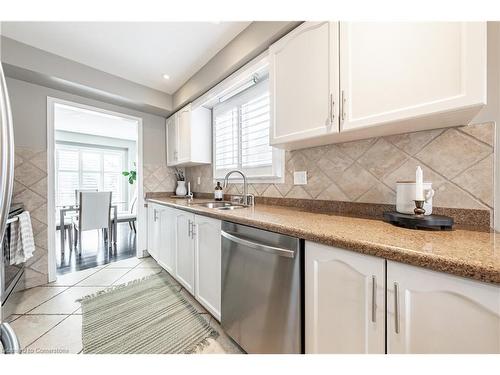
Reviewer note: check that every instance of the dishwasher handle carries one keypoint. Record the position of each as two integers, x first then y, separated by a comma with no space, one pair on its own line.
258,246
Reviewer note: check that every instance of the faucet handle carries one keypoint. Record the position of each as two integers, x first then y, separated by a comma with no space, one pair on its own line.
237,199
250,200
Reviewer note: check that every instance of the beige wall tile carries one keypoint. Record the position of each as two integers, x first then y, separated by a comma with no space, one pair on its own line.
382,158
355,181
411,143
272,192
458,161
450,195
333,193
356,148
406,172
483,132
453,152
478,180
378,194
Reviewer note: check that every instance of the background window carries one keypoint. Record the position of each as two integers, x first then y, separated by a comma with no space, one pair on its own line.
241,136
85,167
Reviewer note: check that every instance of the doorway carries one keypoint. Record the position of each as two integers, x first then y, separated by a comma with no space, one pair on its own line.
92,150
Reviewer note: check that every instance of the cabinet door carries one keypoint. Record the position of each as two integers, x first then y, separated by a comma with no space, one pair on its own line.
168,241
403,70
153,230
304,83
344,301
184,135
208,263
184,256
432,312
171,133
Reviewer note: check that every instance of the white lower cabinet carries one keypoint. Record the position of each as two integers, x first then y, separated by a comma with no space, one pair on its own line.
208,263
188,247
427,311
166,258
154,231
184,255
432,312
345,301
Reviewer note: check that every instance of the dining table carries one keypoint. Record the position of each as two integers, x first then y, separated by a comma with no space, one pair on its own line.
64,209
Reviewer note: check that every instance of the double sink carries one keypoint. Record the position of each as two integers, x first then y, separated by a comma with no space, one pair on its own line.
221,205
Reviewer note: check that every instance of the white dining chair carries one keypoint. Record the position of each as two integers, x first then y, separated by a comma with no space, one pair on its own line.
128,217
93,214
77,194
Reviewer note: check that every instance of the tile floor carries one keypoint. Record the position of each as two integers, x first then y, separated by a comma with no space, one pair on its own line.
48,320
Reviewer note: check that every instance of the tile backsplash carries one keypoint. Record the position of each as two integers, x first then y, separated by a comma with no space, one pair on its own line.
158,178
30,188
458,161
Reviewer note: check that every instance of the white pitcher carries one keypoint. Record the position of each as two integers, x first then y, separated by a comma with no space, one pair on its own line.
405,197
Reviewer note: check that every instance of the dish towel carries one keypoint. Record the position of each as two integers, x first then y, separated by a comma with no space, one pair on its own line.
22,244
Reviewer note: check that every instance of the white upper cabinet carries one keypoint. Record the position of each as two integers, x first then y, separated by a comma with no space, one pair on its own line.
304,79
334,82
171,141
344,301
208,263
398,72
431,312
189,137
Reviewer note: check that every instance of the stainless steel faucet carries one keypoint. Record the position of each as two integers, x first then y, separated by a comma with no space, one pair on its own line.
248,199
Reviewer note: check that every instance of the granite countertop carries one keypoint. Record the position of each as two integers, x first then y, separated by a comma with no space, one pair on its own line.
468,253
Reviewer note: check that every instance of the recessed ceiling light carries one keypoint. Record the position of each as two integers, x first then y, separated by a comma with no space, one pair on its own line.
166,76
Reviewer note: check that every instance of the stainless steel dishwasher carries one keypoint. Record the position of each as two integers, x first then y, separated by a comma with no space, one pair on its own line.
262,289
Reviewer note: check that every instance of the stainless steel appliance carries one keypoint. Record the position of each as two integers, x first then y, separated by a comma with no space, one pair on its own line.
9,272
8,338
262,291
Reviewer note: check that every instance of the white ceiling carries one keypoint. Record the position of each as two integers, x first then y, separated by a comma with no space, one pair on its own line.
79,120
137,51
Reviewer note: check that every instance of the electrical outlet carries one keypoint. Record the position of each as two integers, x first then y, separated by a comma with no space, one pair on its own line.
198,181
300,178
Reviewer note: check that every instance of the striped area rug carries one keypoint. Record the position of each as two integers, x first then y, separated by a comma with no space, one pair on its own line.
148,316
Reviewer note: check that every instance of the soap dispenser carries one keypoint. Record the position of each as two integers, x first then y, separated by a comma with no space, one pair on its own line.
218,192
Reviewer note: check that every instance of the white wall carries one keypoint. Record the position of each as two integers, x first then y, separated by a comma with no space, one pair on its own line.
31,64
29,113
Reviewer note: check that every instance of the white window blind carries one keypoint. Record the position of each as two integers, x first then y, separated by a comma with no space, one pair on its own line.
85,167
226,139
241,135
254,117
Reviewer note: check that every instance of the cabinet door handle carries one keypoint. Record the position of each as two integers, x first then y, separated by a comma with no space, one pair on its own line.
189,229
374,299
155,214
193,231
332,106
343,105
396,308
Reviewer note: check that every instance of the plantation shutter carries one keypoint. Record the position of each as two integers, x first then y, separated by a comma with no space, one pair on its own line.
241,135
226,139
255,148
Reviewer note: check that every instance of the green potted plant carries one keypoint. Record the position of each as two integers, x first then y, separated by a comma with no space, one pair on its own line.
131,175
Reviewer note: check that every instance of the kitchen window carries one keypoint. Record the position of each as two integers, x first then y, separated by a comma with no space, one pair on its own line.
241,134
86,167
